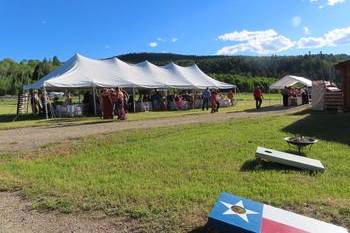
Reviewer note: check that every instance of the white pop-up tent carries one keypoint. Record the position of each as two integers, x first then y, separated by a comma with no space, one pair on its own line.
290,80
83,72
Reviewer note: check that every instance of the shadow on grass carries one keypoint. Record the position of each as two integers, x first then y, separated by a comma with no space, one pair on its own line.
62,124
25,117
255,165
327,126
274,108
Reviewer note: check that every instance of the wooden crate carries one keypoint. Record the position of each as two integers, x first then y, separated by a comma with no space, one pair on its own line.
334,100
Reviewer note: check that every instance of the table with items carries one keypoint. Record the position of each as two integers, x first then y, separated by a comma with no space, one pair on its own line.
69,110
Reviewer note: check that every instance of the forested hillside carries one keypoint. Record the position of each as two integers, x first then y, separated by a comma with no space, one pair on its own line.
14,74
248,71
319,66
244,71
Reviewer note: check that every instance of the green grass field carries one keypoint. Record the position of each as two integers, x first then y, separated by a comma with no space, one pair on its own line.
8,111
167,179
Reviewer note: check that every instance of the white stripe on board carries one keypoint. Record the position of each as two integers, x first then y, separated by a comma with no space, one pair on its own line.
301,222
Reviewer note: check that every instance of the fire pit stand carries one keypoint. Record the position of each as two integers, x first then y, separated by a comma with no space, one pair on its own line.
300,142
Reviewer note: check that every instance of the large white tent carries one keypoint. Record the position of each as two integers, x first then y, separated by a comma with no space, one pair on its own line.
83,72
290,80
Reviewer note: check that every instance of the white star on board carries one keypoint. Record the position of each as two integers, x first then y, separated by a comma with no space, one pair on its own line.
243,216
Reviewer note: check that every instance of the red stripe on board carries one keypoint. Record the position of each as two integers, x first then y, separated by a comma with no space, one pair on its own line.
269,226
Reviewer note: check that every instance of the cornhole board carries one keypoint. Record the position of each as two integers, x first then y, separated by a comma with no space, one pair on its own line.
288,159
232,214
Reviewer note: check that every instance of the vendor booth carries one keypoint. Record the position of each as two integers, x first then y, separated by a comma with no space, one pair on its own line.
82,73
293,96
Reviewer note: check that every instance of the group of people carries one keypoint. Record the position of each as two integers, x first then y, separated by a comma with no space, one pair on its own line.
163,102
288,92
113,102
213,97
110,102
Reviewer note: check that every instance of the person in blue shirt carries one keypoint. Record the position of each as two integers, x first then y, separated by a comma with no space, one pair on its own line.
205,98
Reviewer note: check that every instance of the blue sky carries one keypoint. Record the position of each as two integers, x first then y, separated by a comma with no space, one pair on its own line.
98,29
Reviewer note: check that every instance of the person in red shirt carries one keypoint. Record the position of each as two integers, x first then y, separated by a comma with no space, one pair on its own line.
258,96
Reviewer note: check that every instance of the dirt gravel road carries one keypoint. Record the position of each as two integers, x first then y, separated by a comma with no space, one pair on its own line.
33,137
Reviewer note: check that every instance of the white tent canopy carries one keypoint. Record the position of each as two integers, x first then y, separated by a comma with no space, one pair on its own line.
290,80
83,72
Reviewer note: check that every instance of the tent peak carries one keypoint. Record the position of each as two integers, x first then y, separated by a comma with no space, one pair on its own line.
78,55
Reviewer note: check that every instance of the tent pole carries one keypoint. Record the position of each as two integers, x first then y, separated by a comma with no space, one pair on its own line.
94,96
133,98
45,103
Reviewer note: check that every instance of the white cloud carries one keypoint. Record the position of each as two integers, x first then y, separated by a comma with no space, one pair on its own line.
153,44
174,39
161,39
321,4
247,35
261,42
306,30
339,36
107,46
269,41
296,21
334,2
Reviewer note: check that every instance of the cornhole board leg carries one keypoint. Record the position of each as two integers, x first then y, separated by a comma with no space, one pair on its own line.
288,159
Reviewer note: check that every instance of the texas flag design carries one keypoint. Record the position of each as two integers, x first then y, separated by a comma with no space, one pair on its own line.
233,214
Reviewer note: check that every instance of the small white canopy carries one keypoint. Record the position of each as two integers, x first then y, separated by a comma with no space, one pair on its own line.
83,72
290,80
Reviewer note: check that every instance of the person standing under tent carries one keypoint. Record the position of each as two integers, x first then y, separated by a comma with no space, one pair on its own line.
121,105
101,102
304,96
213,101
155,98
285,95
205,98
113,95
68,97
179,104
258,97
217,99
191,100
230,96
107,104
126,99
